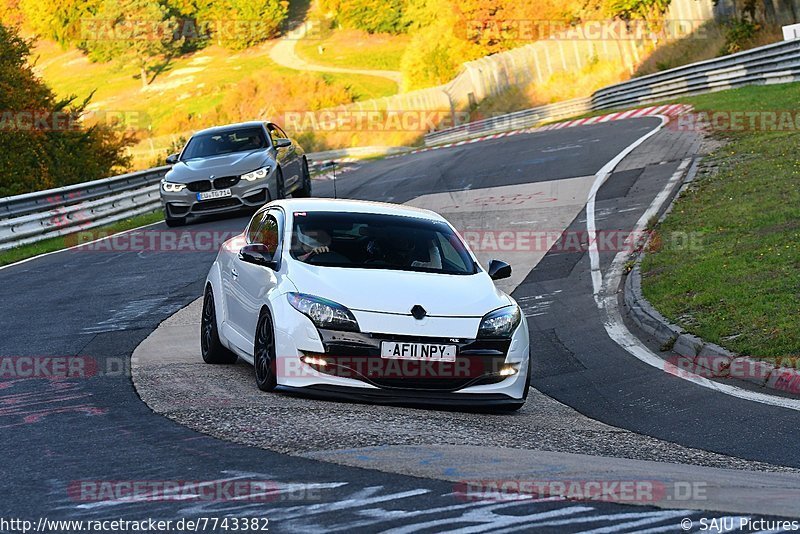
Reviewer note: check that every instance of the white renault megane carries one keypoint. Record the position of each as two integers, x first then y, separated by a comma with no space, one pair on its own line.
365,301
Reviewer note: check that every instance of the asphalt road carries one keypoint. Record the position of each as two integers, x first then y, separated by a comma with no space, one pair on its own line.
99,305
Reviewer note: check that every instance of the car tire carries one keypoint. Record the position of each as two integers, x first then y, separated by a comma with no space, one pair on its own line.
210,346
305,189
279,185
264,353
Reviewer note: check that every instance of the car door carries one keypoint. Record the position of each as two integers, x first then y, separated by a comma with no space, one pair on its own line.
250,283
230,276
288,158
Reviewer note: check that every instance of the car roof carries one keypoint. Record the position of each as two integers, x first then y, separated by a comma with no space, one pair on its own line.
354,206
228,127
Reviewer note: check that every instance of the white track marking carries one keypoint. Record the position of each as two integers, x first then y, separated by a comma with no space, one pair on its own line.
599,180
605,289
487,521
656,518
76,246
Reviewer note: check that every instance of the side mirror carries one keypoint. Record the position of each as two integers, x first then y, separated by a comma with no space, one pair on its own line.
257,255
172,159
499,270
283,142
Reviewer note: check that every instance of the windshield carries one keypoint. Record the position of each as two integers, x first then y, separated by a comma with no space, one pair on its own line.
372,241
215,144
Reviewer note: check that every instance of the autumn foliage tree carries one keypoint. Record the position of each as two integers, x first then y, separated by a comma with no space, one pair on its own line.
372,16
140,32
42,142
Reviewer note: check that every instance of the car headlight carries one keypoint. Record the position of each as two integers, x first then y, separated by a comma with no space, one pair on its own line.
170,187
500,323
323,313
257,174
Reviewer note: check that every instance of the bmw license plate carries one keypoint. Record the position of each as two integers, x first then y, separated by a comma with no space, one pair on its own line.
418,351
217,193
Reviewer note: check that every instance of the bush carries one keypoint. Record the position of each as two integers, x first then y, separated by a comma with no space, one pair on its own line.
57,150
737,35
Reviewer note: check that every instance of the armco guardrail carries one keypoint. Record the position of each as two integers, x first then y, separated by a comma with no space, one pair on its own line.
775,63
50,199
57,212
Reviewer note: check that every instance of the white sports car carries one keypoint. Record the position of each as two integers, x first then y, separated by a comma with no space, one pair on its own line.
365,301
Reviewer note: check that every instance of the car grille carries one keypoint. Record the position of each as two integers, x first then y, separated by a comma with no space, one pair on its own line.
357,355
199,186
225,182
221,203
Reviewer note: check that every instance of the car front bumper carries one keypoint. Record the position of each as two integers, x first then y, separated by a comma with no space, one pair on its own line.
244,195
355,370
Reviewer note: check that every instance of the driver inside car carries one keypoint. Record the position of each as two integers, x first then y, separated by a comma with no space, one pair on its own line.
432,259
311,242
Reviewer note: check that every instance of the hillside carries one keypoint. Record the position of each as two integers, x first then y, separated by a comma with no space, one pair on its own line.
189,93
328,54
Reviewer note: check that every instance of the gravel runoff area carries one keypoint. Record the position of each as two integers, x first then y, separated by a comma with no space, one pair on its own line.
223,401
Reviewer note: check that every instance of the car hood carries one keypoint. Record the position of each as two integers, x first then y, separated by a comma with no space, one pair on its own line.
225,165
379,290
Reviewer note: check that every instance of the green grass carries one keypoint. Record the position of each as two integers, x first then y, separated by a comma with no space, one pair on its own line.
364,87
57,243
354,49
739,285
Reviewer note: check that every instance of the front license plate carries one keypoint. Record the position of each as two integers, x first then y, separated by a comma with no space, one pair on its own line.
217,193
418,351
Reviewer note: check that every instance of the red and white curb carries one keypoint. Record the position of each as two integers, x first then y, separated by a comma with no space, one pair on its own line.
670,110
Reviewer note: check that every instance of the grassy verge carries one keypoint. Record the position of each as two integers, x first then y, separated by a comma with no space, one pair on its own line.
737,282
354,49
57,243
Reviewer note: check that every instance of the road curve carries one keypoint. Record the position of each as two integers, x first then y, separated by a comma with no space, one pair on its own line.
284,54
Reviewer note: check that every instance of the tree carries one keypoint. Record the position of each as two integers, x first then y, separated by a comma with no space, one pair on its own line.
650,11
43,142
140,32
10,13
372,16
59,20
437,50
238,24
